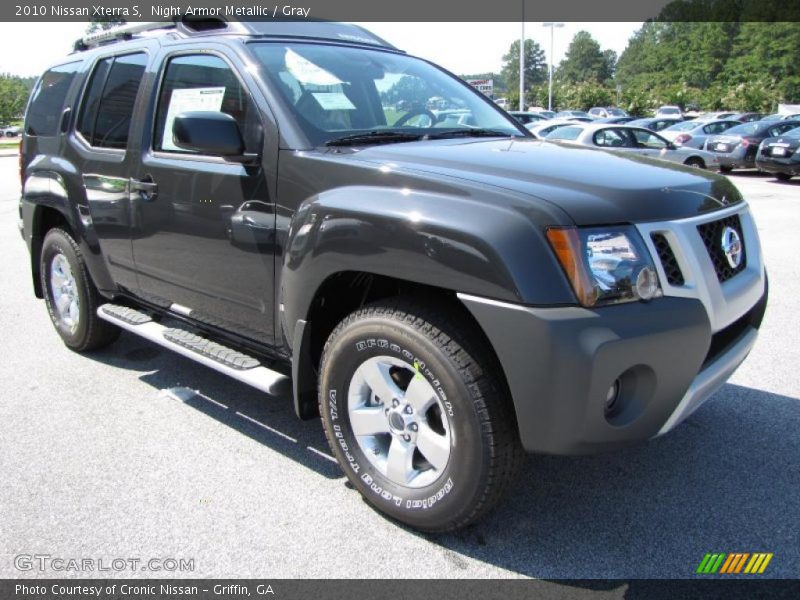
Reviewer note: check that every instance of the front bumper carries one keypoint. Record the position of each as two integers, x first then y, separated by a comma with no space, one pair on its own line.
669,355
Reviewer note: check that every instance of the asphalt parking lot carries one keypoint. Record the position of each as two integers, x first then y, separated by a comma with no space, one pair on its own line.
137,452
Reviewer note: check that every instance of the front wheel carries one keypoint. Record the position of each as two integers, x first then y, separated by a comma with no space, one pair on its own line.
695,162
70,295
417,415
783,176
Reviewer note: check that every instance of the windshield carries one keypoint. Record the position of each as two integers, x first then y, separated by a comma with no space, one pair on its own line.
745,129
335,92
616,112
668,110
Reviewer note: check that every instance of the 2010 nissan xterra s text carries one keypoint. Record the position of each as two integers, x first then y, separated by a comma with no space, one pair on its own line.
304,201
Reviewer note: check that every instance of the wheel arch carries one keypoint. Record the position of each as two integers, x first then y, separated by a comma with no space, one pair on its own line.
342,293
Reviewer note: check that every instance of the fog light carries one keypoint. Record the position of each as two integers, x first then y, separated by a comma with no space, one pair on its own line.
611,397
646,283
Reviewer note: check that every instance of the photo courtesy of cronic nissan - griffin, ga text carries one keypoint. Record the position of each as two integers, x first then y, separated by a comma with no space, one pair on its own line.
300,205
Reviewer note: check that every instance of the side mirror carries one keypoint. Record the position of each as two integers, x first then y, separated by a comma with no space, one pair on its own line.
671,146
209,132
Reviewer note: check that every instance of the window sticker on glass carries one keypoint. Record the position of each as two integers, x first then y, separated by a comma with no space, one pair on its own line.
333,101
307,72
190,99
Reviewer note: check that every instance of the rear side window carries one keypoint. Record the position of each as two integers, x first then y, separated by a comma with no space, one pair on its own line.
779,129
107,111
47,100
611,138
202,83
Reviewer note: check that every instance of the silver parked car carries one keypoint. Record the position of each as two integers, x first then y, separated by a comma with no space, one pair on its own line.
636,140
542,129
693,134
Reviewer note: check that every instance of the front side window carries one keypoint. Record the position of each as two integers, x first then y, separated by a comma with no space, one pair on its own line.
107,111
47,100
203,83
335,91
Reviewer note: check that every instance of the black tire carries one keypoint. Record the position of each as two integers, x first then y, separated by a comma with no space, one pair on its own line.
485,452
90,332
783,176
696,162
725,169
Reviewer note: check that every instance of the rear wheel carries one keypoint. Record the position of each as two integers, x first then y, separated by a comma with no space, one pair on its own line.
783,176
417,416
695,162
70,295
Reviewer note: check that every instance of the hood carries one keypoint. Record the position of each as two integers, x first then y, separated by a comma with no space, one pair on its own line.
592,186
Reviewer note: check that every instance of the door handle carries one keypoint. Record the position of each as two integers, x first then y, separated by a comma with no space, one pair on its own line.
147,188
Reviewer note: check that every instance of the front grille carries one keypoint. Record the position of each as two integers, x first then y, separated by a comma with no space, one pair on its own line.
712,238
667,258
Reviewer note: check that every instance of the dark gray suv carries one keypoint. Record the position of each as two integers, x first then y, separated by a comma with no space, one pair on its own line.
303,202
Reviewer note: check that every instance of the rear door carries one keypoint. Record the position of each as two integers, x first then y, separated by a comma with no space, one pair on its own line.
100,149
205,242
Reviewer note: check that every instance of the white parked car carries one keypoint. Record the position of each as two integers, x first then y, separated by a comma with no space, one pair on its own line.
635,140
674,112
542,129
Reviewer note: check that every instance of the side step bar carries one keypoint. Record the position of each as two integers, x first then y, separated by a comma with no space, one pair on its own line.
226,360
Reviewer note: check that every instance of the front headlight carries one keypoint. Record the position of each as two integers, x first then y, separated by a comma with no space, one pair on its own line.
605,265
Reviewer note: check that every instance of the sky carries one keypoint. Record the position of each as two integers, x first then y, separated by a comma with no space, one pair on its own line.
463,48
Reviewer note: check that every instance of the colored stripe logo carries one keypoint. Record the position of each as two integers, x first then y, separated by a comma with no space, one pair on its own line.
734,562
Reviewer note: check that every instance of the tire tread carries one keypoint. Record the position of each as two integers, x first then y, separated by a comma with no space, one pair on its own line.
488,392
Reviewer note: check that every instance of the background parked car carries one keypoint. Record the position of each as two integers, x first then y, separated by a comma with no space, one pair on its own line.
636,140
525,117
780,155
599,112
715,116
655,124
694,134
737,147
618,120
547,114
670,111
746,117
9,131
543,128
781,117
573,115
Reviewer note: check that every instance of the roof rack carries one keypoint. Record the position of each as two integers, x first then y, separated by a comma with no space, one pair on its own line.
122,32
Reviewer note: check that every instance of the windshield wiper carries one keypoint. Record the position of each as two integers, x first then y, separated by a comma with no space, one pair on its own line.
474,132
374,137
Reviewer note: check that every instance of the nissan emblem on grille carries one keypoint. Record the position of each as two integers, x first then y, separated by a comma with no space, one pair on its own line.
732,246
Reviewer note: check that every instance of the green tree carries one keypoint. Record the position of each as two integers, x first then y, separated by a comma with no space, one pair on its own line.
585,61
102,24
535,68
13,96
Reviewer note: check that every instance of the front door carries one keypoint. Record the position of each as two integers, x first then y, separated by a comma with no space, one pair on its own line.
204,242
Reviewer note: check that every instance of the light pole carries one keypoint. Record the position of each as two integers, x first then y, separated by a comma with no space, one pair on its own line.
522,63
552,27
